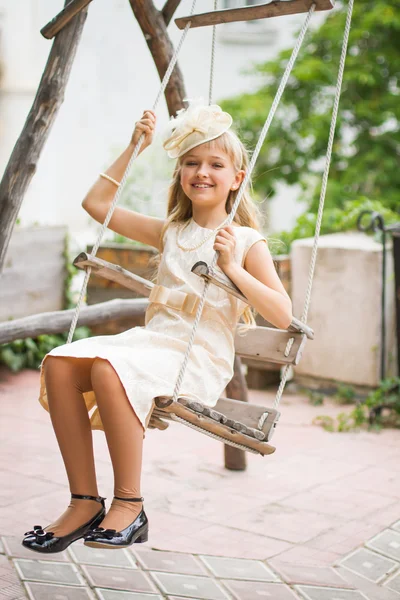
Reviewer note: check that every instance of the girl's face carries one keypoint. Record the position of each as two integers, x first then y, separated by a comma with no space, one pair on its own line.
208,175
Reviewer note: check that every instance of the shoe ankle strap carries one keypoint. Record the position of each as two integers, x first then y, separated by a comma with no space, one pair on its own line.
129,499
83,497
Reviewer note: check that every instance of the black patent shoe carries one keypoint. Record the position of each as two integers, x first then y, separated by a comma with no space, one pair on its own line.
46,542
136,533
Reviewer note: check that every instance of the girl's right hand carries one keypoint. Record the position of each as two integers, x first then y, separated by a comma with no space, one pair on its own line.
146,125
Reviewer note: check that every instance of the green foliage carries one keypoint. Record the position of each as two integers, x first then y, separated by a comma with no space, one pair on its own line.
29,353
381,408
365,162
345,394
334,220
315,398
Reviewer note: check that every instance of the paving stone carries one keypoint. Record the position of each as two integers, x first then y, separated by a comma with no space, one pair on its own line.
387,542
129,580
96,556
14,548
189,586
45,591
325,576
239,568
116,595
396,526
171,562
370,565
252,590
35,570
319,593
394,583
371,590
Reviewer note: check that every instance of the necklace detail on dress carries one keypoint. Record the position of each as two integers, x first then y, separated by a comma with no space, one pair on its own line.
192,248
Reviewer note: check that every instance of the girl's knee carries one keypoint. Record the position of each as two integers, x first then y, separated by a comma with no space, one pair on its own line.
66,370
102,372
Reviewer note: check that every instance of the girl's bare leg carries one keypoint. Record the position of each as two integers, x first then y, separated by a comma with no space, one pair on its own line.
66,380
124,434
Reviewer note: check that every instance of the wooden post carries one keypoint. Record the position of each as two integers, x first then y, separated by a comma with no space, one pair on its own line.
63,18
235,459
50,95
154,29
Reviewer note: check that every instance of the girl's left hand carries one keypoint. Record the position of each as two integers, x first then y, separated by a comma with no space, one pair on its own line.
225,243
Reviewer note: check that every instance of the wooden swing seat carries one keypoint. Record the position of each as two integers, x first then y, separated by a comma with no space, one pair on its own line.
276,8
231,421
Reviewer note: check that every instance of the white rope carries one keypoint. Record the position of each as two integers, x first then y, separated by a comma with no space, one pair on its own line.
246,179
212,69
328,159
117,196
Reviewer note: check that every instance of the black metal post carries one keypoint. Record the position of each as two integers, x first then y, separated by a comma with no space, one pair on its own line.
396,260
376,223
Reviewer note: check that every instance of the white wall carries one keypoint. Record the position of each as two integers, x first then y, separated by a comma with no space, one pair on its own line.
112,81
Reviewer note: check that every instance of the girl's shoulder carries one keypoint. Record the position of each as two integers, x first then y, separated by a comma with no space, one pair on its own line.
248,235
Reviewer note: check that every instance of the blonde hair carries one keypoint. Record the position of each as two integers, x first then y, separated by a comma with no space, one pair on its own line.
179,208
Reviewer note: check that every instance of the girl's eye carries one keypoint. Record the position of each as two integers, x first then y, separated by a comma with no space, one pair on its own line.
190,164
218,165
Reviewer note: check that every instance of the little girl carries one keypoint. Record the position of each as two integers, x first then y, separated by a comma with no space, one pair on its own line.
119,375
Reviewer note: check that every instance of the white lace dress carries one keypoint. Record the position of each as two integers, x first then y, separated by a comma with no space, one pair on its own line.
148,359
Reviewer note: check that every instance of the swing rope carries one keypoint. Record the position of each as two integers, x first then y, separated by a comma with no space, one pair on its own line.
242,188
117,196
213,45
328,160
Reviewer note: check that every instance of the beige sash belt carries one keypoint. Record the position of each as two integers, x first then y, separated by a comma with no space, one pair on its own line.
175,299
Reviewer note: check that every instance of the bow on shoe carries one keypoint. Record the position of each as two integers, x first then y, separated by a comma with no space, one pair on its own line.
41,535
105,533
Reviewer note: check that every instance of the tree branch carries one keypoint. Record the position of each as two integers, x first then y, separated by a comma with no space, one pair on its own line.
169,9
154,29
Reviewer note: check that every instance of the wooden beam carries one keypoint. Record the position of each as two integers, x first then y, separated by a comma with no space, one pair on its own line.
267,344
169,9
235,459
152,24
278,8
202,270
60,321
63,18
22,164
102,268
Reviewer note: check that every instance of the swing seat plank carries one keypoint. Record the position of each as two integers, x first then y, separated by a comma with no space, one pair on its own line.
262,344
242,430
276,8
62,19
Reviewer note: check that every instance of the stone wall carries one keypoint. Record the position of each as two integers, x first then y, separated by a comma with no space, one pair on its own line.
345,308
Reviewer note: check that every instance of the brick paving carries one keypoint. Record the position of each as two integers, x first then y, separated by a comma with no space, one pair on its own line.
318,520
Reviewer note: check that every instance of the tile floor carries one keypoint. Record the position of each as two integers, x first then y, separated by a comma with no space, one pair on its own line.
318,520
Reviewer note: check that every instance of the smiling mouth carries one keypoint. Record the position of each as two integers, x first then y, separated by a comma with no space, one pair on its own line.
201,186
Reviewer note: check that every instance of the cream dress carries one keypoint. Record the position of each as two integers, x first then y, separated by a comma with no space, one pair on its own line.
148,359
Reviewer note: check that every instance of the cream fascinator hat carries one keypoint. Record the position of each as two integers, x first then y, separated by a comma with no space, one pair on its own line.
195,125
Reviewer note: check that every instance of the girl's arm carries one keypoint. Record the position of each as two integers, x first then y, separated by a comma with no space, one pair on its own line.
98,200
258,280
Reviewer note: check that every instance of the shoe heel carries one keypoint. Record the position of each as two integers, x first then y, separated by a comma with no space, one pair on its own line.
142,538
